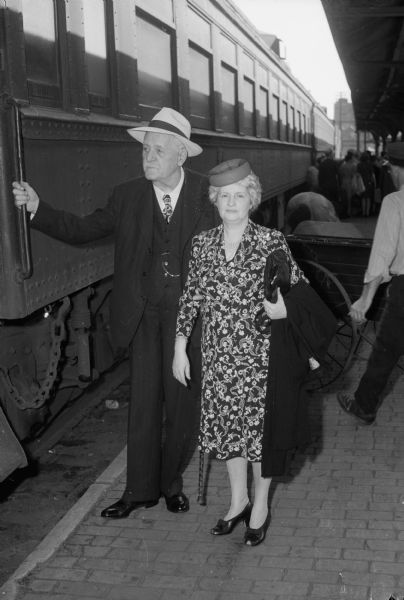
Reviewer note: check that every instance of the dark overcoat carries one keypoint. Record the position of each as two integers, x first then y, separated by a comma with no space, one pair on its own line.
306,332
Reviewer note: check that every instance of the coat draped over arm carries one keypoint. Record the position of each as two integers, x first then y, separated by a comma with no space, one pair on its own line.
306,332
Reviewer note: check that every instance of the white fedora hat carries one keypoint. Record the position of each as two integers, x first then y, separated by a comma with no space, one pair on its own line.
171,122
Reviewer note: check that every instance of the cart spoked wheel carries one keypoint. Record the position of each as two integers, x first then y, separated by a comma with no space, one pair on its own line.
346,338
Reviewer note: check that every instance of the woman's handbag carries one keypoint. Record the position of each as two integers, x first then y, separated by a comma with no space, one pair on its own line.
276,275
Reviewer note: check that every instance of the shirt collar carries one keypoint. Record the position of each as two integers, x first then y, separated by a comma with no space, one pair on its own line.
174,194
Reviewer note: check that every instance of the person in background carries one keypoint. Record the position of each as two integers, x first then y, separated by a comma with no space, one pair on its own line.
347,169
226,285
386,182
386,264
366,171
376,165
153,219
312,176
328,183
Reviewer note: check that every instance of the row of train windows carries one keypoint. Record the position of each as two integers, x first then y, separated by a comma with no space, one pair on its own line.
263,113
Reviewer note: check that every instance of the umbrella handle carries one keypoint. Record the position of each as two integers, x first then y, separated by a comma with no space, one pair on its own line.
201,479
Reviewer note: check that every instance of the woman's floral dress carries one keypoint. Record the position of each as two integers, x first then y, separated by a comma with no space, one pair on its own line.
234,353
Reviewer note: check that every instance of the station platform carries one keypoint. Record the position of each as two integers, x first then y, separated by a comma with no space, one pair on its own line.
336,531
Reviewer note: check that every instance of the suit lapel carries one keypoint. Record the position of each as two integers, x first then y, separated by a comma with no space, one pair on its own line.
145,214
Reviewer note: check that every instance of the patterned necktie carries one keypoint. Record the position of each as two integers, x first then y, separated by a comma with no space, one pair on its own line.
168,208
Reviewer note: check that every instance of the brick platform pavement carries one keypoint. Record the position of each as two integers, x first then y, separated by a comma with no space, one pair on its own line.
337,529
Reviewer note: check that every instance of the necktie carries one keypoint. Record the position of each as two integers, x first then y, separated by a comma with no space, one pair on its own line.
168,208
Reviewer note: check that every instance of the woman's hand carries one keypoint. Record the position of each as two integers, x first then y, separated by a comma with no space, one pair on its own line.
181,366
25,194
276,310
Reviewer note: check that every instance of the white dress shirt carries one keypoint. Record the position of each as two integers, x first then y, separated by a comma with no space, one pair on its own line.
174,194
387,254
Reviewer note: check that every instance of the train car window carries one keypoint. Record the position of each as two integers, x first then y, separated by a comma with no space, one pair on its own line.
248,99
299,126
304,140
41,53
95,39
262,76
229,99
162,9
199,30
228,50
275,117
262,100
292,124
248,66
284,119
263,119
200,87
155,69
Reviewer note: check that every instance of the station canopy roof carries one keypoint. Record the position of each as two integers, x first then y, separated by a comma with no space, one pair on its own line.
369,37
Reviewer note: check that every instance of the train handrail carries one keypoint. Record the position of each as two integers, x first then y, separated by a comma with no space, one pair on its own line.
26,269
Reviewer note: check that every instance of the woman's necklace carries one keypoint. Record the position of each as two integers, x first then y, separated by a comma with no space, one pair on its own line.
231,246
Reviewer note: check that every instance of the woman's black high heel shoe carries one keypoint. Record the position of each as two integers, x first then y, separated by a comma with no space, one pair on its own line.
223,527
253,537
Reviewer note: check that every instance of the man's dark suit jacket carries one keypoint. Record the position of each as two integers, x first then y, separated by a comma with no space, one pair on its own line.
128,215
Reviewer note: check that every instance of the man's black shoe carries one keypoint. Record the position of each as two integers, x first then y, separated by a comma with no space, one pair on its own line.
178,503
123,508
350,406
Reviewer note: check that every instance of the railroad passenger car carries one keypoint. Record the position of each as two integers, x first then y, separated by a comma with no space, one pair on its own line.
325,134
74,76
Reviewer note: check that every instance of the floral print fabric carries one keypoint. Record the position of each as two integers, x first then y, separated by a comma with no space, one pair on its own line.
234,353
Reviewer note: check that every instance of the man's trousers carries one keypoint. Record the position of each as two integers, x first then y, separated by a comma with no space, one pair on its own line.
388,348
157,453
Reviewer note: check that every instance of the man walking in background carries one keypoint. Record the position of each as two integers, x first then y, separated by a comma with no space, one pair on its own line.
386,263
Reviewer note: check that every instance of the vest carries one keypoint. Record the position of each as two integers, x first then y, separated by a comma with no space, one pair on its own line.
162,282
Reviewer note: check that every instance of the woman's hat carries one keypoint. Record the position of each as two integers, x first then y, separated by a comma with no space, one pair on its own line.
169,121
395,151
229,172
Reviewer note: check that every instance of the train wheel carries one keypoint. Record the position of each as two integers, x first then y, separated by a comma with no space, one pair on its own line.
345,340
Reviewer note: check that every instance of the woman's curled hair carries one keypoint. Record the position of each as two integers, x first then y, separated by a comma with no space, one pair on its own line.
251,182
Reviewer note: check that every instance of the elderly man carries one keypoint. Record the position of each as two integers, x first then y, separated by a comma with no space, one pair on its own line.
328,183
386,263
153,219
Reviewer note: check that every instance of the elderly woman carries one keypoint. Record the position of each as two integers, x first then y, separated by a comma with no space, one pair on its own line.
225,284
